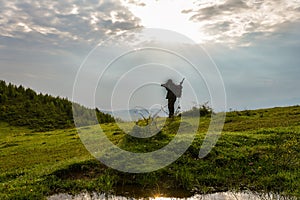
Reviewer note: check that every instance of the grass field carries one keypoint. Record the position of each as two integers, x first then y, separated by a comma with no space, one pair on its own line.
258,150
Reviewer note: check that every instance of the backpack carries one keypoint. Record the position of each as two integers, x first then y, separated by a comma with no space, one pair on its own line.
177,90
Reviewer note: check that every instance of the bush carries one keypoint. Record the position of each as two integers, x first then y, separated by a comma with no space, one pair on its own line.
199,110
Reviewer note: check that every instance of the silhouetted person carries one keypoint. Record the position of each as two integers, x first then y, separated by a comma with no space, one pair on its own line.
173,91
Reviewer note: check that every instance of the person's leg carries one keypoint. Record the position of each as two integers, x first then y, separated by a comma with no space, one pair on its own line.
171,103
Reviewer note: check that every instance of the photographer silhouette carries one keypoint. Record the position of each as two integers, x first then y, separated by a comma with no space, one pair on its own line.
173,92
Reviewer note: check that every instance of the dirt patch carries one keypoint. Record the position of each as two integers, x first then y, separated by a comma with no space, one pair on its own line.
84,170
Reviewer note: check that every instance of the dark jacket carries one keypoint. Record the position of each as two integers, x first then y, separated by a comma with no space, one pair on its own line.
171,87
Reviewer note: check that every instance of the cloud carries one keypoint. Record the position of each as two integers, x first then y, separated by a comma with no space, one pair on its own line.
64,22
227,21
264,74
135,2
42,43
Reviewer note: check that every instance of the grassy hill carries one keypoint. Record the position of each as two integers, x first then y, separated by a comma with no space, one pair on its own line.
259,150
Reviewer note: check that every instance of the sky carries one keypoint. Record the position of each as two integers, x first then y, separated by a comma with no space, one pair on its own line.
234,54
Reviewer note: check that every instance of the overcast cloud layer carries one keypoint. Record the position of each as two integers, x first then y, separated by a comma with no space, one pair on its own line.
254,43
65,22
230,20
42,43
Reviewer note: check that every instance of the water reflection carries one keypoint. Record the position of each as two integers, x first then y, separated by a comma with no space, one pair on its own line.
215,196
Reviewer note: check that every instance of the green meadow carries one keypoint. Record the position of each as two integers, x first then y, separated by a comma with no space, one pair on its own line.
258,150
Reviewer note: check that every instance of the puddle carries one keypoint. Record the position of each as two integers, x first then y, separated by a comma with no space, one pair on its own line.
214,196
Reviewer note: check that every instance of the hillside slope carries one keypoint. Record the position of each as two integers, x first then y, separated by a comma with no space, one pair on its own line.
21,106
258,151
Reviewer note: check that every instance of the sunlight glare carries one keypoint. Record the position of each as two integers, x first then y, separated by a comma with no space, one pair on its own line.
168,15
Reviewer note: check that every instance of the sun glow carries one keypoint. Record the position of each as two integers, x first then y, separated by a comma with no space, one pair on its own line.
160,198
168,15
218,21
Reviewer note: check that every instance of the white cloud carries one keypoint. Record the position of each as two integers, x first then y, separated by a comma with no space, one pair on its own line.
227,21
135,2
221,21
70,21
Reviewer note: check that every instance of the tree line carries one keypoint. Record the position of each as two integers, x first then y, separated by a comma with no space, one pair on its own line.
20,106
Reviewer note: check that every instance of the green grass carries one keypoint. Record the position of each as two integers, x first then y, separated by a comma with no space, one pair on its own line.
258,151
